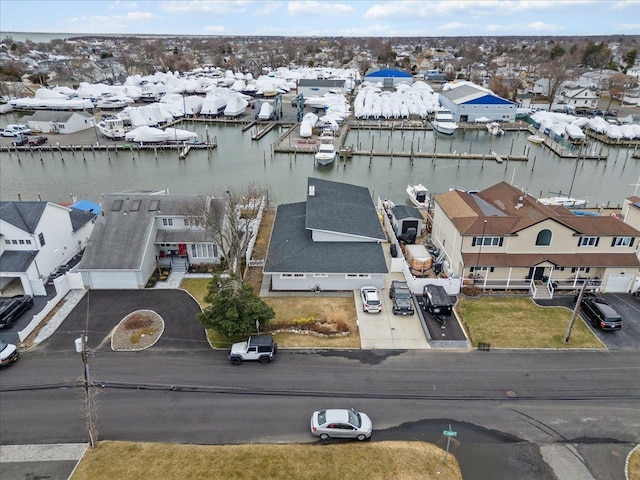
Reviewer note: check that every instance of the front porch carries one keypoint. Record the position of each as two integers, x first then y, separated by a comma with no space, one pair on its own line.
543,288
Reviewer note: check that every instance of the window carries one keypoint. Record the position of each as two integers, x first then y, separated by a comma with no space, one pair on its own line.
320,275
357,275
581,270
167,222
293,275
28,242
41,238
7,242
14,242
192,222
486,242
622,242
482,269
21,242
544,238
203,250
588,241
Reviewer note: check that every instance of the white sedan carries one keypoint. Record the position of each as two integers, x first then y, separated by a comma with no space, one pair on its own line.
370,300
341,423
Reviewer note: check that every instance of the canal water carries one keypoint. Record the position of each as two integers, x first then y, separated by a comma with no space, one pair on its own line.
238,161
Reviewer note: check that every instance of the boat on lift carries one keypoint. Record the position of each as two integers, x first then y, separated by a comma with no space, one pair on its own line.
326,153
443,122
537,139
419,195
495,129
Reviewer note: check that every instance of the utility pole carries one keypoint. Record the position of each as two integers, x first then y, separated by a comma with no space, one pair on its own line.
81,348
575,312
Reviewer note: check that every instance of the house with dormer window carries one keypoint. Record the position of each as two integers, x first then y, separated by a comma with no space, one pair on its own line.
579,97
139,232
503,238
36,239
332,241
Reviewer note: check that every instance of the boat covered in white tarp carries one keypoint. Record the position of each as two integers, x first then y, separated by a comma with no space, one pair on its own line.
236,105
574,131
266,111
308,122
147,135
178,135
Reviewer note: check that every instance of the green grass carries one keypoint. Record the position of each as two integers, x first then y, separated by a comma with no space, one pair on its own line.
371,460
520,323
197,287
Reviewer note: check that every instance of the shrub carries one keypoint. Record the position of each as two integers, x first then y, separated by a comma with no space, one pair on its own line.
137,321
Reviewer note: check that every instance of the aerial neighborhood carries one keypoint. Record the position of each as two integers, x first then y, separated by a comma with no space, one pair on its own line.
233,229
340,238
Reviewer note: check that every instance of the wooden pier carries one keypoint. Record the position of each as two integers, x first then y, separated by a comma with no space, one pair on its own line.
264,131
116,148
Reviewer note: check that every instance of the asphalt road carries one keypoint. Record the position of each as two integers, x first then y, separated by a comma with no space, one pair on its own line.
510,408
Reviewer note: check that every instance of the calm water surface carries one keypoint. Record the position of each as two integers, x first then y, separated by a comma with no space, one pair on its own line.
239,161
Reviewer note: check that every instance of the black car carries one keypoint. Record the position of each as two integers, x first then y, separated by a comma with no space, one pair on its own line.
12,307
19,141
400,295
600,313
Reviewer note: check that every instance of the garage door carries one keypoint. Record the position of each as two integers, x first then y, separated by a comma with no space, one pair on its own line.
113,280
619,283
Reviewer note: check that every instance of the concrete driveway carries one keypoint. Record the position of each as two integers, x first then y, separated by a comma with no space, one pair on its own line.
100,311
386,331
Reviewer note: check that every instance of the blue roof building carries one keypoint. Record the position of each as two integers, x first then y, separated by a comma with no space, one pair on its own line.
389,77
469,102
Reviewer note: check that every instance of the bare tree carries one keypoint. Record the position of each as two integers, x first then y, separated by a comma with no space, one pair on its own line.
556,74
232,219
619,84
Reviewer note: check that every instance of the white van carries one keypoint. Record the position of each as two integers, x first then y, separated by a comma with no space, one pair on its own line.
16,130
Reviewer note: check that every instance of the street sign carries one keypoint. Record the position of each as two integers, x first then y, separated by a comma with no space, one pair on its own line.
449,433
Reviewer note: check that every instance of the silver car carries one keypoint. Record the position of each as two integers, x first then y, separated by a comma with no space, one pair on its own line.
341,423
370,300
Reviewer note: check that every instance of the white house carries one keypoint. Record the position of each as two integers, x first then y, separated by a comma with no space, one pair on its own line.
333,241
467,102
138,232
37,238
51,121
579,97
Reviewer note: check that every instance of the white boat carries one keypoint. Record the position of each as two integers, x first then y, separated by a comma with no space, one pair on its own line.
495,129
111,127
179,135
236,105
419,195
326,153
267,111
563,201
537,139
443,122
113,103
147,135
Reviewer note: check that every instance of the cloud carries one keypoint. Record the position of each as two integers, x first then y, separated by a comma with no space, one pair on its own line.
112,21
118,5
218,7
319,8
543,27
214,29
267,8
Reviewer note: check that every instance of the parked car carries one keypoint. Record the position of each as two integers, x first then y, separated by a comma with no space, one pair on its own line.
12,307
437,301
8,353
260,348
19,141
600,313
400,294
37,140
341,423
16,130
611,113
370,300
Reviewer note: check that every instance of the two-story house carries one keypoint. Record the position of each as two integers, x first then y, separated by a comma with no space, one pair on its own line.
333,241
139,232
37,238
505,239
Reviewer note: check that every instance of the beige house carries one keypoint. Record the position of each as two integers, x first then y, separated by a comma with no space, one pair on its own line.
502,238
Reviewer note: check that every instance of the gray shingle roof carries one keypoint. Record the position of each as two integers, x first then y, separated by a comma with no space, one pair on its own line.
16,260
80,218
291,249
23,215
342,208
406,211
121,236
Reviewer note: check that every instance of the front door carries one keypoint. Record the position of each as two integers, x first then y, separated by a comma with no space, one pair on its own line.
536,273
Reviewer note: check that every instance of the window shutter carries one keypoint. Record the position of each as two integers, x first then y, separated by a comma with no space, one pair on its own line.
473,242
632,239
579,241
613,242
500,243
597,241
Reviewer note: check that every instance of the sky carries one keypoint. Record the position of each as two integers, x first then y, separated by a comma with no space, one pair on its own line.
305,18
